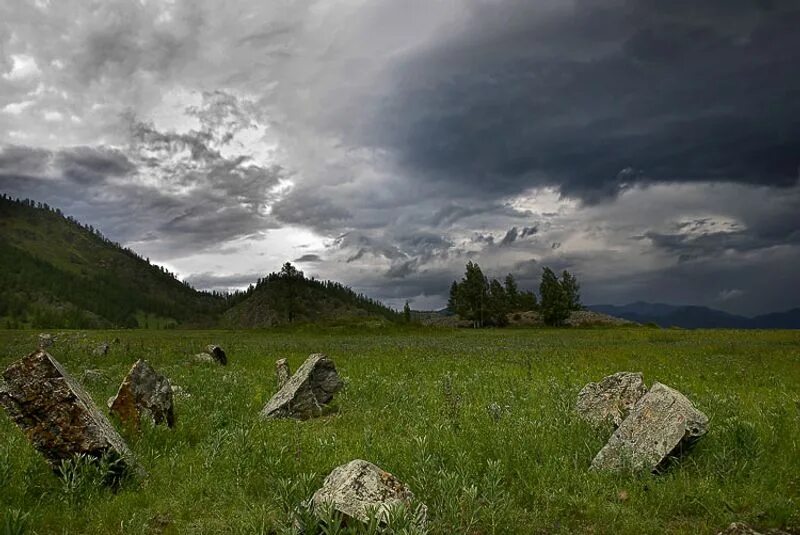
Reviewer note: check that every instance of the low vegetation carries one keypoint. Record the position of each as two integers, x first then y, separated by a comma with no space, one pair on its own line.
479,423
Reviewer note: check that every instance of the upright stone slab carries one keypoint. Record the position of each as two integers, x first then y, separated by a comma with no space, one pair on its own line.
611,399
282,372
217,353
144,392
355,487
57,415
307,392
662,422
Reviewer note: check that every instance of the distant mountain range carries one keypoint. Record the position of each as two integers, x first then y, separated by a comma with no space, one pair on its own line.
698,317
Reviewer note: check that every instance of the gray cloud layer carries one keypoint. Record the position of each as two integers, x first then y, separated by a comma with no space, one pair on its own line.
653,148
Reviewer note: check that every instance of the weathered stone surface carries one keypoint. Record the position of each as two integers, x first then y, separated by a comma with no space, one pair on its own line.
46,340
359,485
217,353
611,399
57,415
101,350
307,392
282,372
144,392
662,423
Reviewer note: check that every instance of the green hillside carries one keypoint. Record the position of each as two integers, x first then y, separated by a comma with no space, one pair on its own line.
58,273
55,272
289,297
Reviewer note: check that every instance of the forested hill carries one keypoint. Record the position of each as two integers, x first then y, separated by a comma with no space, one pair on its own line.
288,297
55,272
58,273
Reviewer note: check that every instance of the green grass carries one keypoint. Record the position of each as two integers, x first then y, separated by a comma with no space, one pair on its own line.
416,404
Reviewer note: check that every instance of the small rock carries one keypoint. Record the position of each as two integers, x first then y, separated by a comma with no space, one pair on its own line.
144,391
357,486
740,528
101,350
282,372
94,375
218,354
57,415
179,392
611,399
307,392
46,340
662,423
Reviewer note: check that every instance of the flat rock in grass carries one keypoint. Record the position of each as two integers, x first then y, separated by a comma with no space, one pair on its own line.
282,372
358,486
663,423
307,392
57,415
144,392
610,400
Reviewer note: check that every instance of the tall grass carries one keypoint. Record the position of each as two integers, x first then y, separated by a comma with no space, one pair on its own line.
480,425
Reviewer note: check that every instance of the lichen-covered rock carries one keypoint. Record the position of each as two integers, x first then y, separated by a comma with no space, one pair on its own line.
307,392
46,340
101,350
57,415
217,353
662,423
144,392
358,486
282,372
611,399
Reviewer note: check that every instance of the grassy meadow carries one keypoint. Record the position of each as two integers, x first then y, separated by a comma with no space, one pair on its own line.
480,425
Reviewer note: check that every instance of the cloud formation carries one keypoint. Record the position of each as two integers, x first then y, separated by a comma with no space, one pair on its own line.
654,149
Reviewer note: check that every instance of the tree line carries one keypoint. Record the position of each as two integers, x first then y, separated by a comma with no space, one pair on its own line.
488,302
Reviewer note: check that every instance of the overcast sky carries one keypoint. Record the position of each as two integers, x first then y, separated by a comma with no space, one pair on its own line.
651,147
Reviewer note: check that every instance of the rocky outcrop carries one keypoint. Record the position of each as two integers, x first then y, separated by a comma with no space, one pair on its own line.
57,415
611,399
144,392
282,372
358,486
663,423
307,393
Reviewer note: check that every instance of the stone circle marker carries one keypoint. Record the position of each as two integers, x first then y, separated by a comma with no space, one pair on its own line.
307,392
355,487
57,415
611,399
662,423
144,392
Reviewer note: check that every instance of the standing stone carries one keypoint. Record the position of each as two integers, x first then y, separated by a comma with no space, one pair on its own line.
357,486
218,354
611,399
57,415
307,392
662,423
144,391
282,372
45,340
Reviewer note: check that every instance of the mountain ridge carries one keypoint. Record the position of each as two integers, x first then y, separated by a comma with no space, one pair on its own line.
698,317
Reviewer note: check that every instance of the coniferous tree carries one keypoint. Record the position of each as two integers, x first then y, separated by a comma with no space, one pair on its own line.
407,313
572,289
512,292
555,302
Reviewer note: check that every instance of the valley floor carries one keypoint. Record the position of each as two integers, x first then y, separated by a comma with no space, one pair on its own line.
480,425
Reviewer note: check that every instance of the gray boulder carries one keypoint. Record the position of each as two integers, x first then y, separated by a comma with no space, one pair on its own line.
46,340
282,372
358,486
144,392
57,415
101,350
217,354
662,423
307,392
610,400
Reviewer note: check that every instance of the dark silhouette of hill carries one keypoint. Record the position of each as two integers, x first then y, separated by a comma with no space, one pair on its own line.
288,297
698,317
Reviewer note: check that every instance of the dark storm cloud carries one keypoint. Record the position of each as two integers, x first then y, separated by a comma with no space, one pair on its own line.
592,97
21,160
308,258
90,165
514,234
